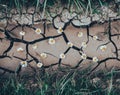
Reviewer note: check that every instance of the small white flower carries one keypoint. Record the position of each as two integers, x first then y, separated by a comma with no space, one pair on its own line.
84,45
70,44
95,80
20,49
103,48
84,56
23,63
95,59
22,33
60,30
35,46
39,64
80,34
38,31
43,55
62,56
51,41
95,37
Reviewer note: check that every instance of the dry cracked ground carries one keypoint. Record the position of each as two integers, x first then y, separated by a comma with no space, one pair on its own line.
63,40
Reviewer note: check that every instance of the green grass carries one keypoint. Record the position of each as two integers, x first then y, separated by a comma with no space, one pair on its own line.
59,83
81,5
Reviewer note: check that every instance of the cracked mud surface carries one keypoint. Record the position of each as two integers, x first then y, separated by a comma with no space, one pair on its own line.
107,35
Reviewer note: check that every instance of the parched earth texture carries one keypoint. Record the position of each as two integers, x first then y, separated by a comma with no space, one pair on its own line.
107,31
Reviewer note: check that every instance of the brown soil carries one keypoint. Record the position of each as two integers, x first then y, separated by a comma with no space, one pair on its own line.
73,56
